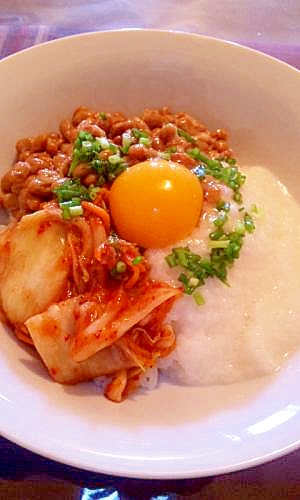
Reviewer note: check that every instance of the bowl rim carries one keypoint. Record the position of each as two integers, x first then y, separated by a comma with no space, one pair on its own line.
145,32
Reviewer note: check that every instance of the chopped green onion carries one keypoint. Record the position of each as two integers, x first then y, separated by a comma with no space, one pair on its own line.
240,227
121,267
137,260
114,159
75,202
171,260
224,249
223,205
76,211
113,148
230,161
199,299
181,256
67,208
248,222
70,189
114,170
65,212
145,141
165,156
135,132
216,235
256,211
185,135
103,115
237,197
103,141
126,142
218,243
98,165
85,149
197,155
171,149
232,172
221,219
93,192
224,172
193,282
185,281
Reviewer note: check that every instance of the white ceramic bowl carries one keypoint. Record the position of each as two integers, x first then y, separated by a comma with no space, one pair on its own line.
172,432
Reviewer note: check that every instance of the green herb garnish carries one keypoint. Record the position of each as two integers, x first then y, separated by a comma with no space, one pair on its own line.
237,197
198,269
224,248
216,235
137,260
71,208
223,253
221,219
199,299
119,269
222,170
171,149
145,141
93,192
114,159
138,134
166,154
228,159
71,189
223,205
114,169
70,194
86,149
218,243
104,142
185,135
240,227
114,149
126,142
248,222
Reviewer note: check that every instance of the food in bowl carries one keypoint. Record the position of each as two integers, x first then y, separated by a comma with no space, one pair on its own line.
137,244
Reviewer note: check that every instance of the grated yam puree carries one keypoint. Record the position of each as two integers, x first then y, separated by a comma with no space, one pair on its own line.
246,329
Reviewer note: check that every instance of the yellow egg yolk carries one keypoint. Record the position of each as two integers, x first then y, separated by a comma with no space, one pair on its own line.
156,203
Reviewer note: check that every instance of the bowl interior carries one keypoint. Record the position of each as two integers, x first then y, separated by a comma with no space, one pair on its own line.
257,99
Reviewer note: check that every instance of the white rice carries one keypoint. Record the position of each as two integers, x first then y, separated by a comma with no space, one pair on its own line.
249,328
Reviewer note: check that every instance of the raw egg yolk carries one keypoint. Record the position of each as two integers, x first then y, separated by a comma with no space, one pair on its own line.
156,203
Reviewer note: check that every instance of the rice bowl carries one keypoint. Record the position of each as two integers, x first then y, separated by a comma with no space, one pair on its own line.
158,59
